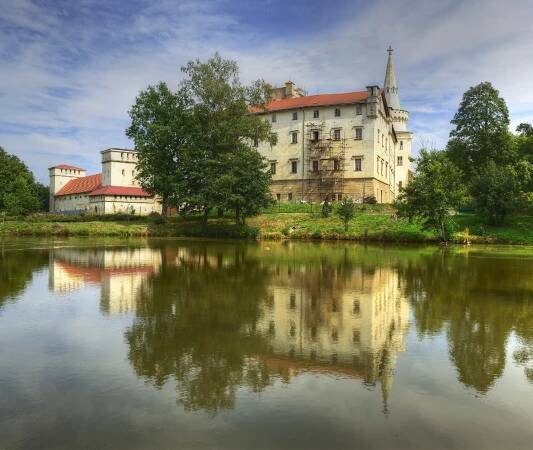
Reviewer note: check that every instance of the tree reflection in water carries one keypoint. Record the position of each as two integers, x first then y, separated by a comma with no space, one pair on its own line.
479,301
196,322
16,271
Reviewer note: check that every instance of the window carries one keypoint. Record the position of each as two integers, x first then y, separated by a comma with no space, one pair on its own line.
356,307
382,166
315,166
289,196
357,164
294,137
278,197
315,135
294,166
292,302
295,115
336,164
316,114
273,168
358,110
400,185
356,336
337,134
339,197
359,133
123,172
401,145
400,160
337,112
274,118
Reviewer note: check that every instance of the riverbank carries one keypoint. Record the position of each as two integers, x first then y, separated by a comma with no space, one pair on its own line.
373,224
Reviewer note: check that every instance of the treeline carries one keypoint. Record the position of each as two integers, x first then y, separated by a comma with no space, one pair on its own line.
197,143
484,167
20,193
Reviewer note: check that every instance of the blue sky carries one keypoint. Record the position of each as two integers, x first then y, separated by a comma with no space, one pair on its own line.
70,70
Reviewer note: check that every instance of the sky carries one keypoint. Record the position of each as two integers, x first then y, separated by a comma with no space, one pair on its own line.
71,69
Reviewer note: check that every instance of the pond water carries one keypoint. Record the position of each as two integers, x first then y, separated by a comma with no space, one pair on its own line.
195,344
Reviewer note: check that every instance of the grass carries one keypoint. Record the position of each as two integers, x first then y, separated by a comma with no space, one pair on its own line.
286,221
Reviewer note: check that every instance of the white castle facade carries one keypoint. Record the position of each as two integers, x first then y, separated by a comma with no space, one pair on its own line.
115,190
353,144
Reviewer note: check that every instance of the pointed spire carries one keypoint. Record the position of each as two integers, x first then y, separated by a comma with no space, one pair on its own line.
389,85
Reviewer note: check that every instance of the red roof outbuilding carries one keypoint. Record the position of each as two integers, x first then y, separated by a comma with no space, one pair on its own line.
120,190
81,185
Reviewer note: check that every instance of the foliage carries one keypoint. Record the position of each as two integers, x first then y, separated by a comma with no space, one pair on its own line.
196,144
480,131
18,189
160,121
346,211
435,191
326,208
223,130
43,194
498,191
21,199
244,185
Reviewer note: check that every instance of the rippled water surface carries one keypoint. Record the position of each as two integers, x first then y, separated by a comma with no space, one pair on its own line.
226,345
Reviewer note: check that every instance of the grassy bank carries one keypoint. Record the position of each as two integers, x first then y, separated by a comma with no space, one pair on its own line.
375,223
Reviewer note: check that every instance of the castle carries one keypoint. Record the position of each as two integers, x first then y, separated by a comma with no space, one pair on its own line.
115,190
329,146
353,144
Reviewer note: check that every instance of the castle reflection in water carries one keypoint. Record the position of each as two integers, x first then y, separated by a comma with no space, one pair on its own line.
347,323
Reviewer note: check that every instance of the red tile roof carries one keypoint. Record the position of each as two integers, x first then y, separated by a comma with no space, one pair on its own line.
65,166
309,101
81,185
120,190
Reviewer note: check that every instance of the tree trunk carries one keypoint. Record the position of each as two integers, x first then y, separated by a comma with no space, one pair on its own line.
238,215
220,213
164,208
205,216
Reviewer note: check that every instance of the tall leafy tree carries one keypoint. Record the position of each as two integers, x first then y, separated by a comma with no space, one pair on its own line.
435,191
480,131
223,127
18,190
500,190
160,123
244,183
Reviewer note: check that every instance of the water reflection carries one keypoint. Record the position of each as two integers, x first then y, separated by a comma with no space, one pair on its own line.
478,302
212,318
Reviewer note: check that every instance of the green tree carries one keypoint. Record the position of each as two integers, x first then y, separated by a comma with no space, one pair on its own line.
500,190
222,125
21,199
18,189
346,211
480,131
326,207
244,185
43,195
160,121
435,191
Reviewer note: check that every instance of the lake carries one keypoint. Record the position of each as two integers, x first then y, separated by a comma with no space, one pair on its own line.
156,344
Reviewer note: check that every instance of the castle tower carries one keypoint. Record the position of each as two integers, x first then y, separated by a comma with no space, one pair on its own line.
119,167
400,120
61,175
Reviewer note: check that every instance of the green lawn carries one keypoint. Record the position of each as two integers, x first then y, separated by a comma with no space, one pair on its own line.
371,223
